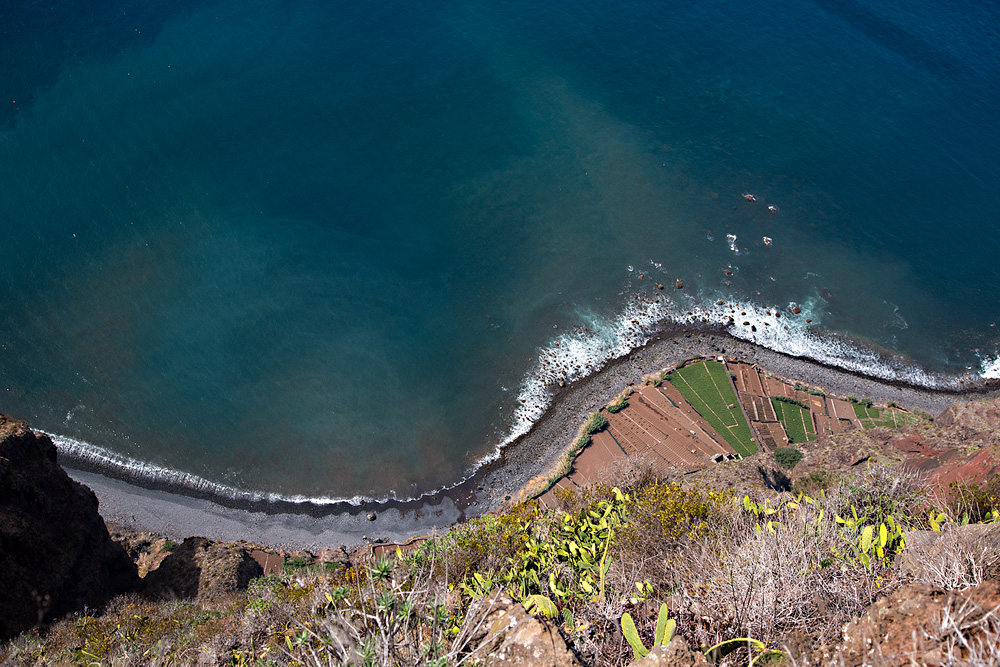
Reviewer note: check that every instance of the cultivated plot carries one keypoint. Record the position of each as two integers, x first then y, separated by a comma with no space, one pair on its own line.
871,417
798,421
707,387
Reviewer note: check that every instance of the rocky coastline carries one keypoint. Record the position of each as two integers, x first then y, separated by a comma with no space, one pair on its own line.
178,511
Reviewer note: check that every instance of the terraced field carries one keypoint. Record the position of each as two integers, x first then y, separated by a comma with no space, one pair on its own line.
885,417
798,421
706,385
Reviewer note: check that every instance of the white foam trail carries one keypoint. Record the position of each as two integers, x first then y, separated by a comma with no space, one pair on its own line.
791,335
575,355
107,459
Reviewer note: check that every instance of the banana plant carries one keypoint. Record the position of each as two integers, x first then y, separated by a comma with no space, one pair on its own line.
665,628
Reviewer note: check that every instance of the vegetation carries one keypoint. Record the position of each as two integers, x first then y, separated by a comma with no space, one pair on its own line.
790,401
620,401
595,422
973,503
796,419
788,457
655,379
617,570
814,483
709,390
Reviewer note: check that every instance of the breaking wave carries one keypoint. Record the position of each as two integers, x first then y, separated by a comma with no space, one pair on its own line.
795,330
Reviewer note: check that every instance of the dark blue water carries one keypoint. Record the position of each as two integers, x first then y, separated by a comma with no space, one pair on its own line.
320,248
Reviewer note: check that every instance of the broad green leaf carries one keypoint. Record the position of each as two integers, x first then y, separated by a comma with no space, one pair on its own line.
866,538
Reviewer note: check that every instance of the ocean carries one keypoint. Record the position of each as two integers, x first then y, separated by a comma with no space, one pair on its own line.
330,250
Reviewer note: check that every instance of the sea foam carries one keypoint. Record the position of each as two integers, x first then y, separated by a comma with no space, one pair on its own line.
588,348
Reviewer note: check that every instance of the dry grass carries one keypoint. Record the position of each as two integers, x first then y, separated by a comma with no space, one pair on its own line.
962,557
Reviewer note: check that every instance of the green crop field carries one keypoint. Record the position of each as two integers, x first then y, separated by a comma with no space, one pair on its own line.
797,421
885,417
707,387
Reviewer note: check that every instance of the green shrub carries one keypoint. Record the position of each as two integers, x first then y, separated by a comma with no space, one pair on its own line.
595,422
170,546
788,457
617,407
880,492
972,503
665,512
791,401
814,482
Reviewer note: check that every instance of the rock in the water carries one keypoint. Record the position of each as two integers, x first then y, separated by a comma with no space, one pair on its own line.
518,638
56,555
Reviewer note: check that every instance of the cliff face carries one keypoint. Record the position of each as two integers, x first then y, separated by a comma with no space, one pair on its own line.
55,552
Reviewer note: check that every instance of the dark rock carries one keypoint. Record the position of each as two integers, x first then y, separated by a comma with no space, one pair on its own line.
679,284
372,516
56,555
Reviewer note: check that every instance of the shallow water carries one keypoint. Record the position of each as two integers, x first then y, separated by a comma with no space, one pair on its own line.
329,250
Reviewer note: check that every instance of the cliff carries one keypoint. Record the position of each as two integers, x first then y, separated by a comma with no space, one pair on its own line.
56,555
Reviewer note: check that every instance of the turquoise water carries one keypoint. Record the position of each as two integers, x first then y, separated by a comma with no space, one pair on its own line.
320,248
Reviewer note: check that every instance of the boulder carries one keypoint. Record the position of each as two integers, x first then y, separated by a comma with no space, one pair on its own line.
924,625
209,572
56,555
509,636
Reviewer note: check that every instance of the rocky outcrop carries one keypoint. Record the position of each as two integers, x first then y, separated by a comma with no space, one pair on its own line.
209,572
511,637
925,625
974,415
55,552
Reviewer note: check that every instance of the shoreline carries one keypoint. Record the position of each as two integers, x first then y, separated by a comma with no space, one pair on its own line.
177,512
